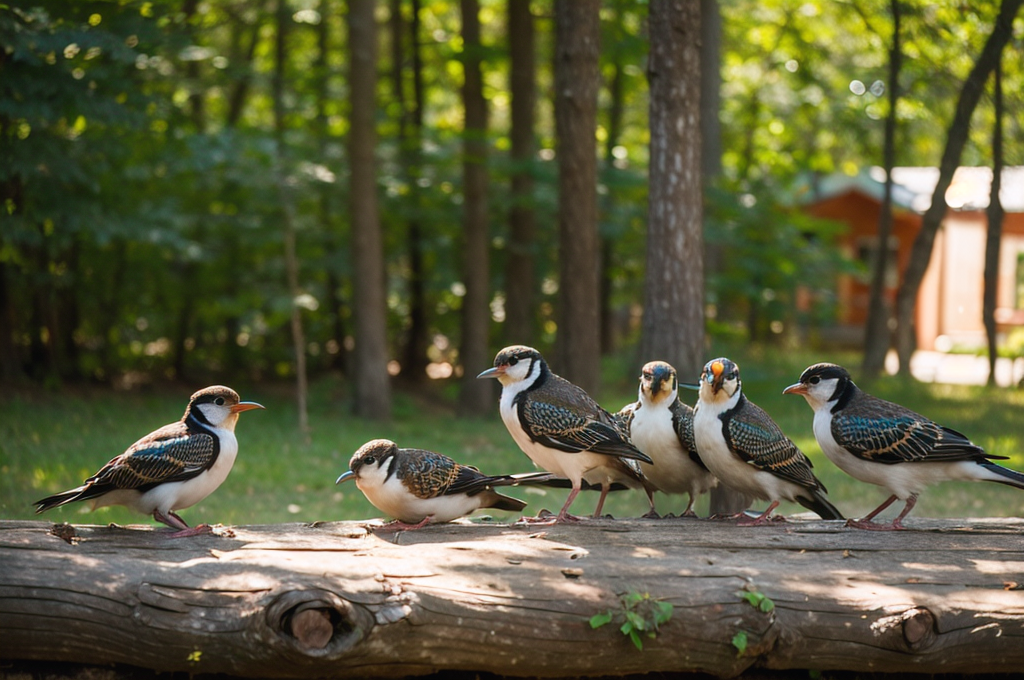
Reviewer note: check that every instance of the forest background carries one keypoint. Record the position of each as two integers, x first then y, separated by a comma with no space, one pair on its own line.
188,188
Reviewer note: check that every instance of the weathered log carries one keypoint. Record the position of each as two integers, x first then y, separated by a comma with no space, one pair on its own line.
337,600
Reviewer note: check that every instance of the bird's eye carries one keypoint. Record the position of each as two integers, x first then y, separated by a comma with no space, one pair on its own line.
219,401
369,460
815,380
513,361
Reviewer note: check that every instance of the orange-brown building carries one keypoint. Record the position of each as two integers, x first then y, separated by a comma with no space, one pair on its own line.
950,300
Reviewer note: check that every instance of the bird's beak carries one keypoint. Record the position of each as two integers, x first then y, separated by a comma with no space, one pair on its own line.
796,388
690,386
345,476
245,406
495,372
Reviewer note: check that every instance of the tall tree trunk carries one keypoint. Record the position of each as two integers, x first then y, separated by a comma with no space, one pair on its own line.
957,137
288,213
673,321
520,287
616,106
995,226
473,352
372,389
577,78
710,103
876,331
238,94
414,357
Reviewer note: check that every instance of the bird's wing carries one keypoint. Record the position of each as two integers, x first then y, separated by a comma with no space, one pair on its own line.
624,418
429,474
682,422
756,439
880,431
560,426
171,454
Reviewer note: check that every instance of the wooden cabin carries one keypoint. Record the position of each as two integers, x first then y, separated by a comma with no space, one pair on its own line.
950,300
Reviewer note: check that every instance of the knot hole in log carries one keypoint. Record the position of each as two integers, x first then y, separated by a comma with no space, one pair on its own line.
317,623
913,630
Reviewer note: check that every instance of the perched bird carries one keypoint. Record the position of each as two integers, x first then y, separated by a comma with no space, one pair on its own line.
747,451
419,487
661,426
561,428
883,443
172,468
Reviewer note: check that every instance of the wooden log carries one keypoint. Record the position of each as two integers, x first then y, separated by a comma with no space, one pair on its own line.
337,600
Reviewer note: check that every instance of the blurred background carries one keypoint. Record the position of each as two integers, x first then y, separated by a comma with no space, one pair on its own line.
344,209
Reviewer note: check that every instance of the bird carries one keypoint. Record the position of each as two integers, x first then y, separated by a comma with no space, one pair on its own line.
661,425
562,429
171,468
747,450
882,443
419,487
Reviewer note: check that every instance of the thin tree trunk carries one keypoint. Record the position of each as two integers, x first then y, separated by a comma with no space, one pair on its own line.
877,334
616,106
414,357
520,287
673,321
577,78
710,103
372,388
957,137
995,227
237,97
288,214
473,352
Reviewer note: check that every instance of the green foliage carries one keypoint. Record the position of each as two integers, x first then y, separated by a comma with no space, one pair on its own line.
739,641
757,600
639,614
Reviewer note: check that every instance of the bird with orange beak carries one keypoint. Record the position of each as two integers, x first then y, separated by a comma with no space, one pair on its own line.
748,451
171,468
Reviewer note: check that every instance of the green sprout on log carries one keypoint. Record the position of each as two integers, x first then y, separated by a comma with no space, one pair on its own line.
759,601
638,614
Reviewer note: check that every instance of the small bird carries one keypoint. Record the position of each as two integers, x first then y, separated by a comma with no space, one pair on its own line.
747,450
419,487
172,468
883,443
661,425
561,429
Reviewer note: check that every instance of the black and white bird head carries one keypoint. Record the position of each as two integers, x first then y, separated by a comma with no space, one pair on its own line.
658,383
218,406
720,381
821,385
372,464
516,364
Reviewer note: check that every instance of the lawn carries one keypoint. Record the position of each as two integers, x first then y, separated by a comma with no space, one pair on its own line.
52,440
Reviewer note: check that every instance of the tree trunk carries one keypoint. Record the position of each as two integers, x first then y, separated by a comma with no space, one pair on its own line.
710,104
372,389
335,600
957,136
673,321
291,260
616,107
577,77
876,330
474,395
520,287
995,227
414,353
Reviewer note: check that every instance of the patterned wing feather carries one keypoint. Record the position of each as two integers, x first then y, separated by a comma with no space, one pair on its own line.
624,418
429,474
567,429
682,422
755,437
883,432
171,454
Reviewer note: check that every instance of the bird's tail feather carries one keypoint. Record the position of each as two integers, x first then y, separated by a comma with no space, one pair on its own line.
1004,475
820,504
507,503
69,496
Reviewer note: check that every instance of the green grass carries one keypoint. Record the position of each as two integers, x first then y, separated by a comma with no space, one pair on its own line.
52,440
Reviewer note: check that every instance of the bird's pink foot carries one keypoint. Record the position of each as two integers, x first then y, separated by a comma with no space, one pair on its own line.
868,525
197,530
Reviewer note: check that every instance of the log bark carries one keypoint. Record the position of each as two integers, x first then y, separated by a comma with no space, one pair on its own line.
340,600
